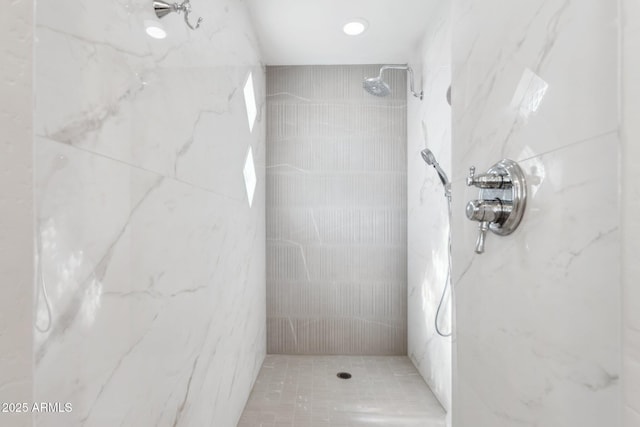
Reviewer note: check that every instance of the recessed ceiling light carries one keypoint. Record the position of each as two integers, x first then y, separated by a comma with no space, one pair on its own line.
355,27
154,29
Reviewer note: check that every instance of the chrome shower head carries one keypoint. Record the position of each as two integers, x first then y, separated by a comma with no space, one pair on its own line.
376,86
430,159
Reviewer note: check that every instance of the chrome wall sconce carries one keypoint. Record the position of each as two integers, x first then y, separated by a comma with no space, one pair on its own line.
163,8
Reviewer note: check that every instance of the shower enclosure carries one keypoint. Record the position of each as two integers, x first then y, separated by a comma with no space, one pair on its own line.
133,191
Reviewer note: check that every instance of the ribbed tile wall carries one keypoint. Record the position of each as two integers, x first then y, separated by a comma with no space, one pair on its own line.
336,212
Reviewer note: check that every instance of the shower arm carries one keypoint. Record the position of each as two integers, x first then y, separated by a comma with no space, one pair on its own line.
186,8
409,70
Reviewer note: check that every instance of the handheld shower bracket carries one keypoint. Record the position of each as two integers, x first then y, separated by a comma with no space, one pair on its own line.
430,159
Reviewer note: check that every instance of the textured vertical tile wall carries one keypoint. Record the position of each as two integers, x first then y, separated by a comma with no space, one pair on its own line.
151,255
630,97
538,314
16,208
336,212
429,126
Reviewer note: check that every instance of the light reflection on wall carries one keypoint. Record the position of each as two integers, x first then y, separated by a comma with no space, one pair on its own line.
250,102
91,302
250,179
64,270
529,94
534,168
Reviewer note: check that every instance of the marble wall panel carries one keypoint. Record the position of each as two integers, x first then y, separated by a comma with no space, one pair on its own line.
152,259
630,179
538,314
429,126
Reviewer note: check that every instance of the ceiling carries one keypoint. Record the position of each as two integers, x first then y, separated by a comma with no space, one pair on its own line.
303,32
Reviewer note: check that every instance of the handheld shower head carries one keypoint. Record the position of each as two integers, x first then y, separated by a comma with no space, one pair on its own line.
430,159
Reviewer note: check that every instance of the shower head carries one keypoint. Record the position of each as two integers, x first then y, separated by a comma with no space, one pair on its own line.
430,159
378,87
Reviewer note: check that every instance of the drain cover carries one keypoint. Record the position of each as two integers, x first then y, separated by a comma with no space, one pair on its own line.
344,375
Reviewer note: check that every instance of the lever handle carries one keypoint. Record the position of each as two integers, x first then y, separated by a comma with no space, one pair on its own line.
471,177
487,212
483,227
487,180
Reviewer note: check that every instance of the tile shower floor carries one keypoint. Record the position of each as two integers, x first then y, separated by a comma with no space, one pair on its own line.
304,391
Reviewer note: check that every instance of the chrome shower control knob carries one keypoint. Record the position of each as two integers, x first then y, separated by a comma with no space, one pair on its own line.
488,210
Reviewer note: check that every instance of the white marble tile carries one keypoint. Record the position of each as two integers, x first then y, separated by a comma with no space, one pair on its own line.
570,46
134,263
537,328
16,209
429,126
630,203
155,109
537,315
151,255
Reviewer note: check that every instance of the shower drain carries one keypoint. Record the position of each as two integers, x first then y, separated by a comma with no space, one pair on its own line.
344,375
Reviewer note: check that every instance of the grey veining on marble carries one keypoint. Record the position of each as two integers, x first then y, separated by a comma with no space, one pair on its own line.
336,212
537,316
152,259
